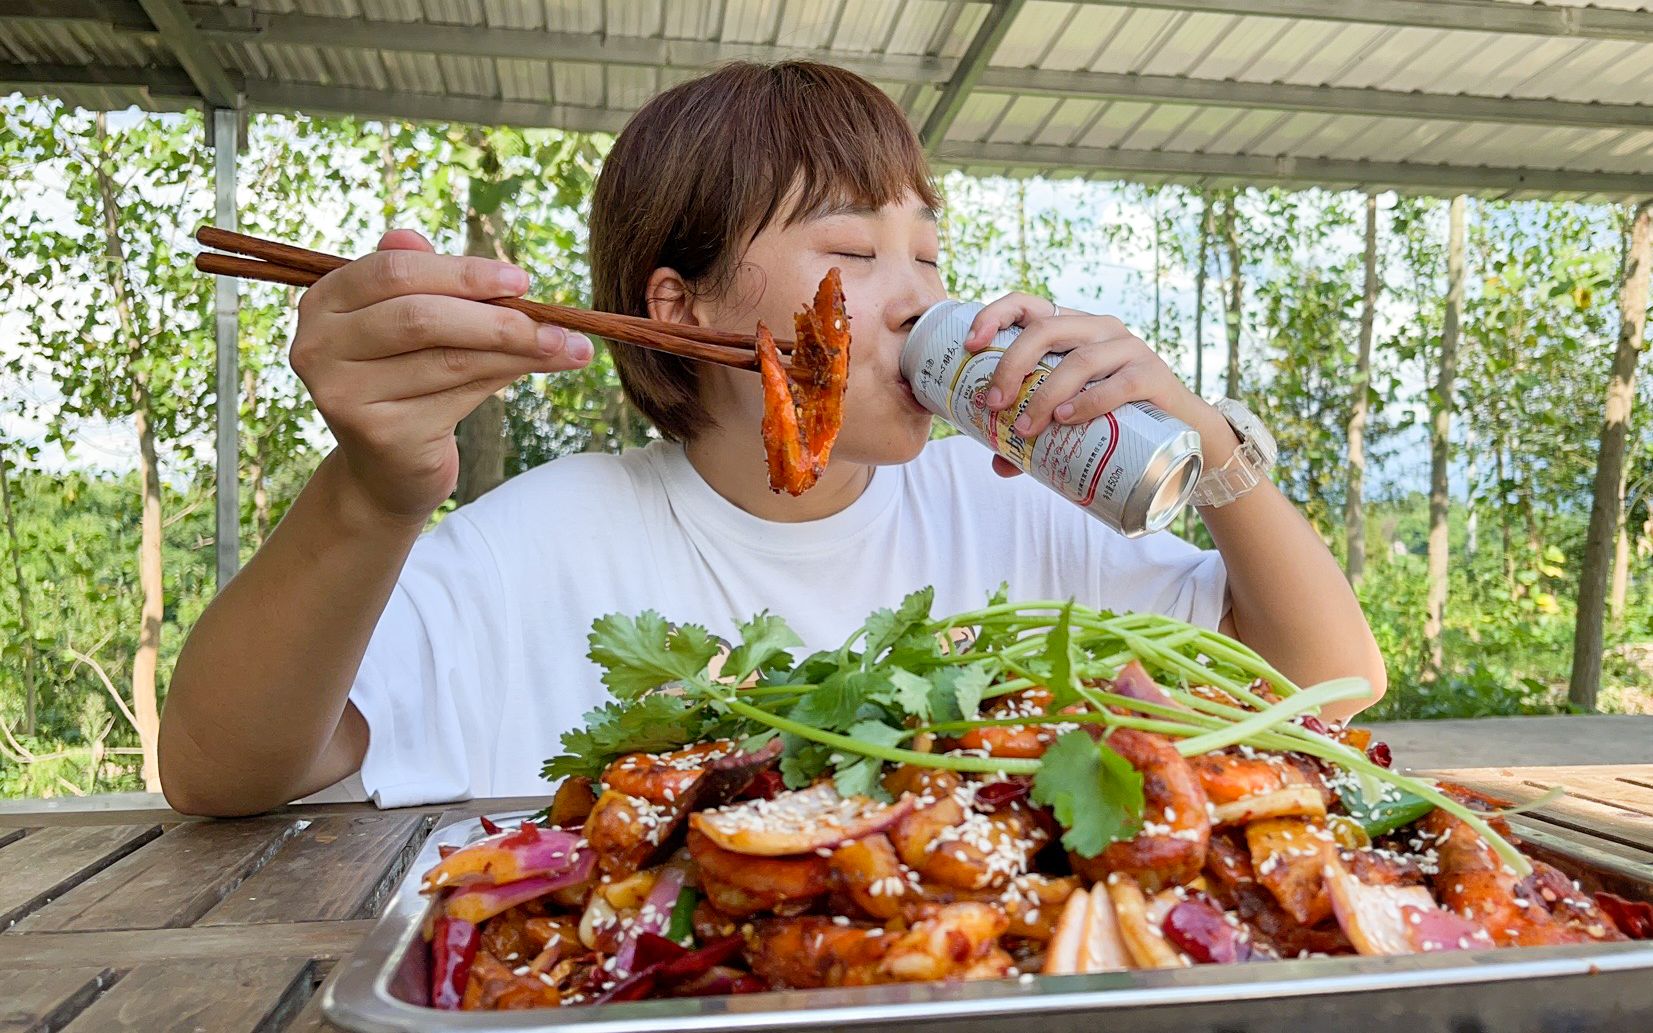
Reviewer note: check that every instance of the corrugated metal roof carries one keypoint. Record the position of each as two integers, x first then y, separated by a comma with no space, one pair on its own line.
1497,96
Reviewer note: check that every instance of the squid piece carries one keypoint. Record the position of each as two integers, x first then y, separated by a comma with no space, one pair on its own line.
803,411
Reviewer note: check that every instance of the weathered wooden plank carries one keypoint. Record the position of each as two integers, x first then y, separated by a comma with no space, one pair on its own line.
309,1018
338,867
49,862
36,1001
234,995
1579,812
11,835
172,881
318,940
15,817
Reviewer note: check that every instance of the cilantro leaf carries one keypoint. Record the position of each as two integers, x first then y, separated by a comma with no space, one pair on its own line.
836,703
1059,655
1096,793
803,761
910,693
969,685
651,724
860,775
642,653
762,640
887,627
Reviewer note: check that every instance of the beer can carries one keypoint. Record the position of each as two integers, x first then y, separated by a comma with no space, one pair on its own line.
1133,469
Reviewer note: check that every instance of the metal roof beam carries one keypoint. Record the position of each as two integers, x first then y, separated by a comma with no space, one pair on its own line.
1327,172
1464,15
192,50
366,103
238,25
1328,100
121,14
160,80
976,58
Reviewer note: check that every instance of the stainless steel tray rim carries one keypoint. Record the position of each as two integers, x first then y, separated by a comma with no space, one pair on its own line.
357,995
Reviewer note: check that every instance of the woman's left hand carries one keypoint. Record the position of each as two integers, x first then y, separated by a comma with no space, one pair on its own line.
1104,366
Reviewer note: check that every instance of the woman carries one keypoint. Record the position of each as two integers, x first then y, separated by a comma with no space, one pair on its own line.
445,666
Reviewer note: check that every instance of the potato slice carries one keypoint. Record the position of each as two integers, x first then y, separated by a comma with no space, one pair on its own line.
1145,943
1062,956
798,822
1102,947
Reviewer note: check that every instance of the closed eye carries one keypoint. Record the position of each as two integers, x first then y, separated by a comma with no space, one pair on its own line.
853,254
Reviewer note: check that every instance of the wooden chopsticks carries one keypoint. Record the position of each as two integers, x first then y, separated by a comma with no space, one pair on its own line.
276,262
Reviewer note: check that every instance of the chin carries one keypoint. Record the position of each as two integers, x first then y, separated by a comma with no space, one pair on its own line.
899,439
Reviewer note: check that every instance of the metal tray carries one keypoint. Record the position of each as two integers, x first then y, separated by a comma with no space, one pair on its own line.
1604,988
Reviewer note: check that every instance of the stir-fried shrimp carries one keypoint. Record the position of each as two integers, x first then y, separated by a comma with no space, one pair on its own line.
814,951
1543,908
741,884
1013,740
1228,776
1170,849
955,941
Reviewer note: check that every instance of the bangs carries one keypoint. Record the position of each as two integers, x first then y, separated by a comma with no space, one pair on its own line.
835,141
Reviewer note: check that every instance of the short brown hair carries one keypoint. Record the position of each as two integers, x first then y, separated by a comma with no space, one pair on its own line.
705,166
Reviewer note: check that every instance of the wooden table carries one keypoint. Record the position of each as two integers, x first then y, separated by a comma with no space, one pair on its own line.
142,919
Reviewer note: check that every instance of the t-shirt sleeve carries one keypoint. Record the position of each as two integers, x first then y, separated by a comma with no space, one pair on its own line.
1161,573
431,681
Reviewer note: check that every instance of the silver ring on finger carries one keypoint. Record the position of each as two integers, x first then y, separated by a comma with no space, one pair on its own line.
1055,309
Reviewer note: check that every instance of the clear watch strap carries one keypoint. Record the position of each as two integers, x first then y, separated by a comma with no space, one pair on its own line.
1230,481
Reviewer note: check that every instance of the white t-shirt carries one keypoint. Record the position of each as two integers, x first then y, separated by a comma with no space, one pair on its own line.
479,664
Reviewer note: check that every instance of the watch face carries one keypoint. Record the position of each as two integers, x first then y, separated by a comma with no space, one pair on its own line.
1251,428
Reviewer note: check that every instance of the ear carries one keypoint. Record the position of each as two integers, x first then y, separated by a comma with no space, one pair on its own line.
669,298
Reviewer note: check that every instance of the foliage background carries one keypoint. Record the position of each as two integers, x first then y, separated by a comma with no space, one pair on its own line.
1540,317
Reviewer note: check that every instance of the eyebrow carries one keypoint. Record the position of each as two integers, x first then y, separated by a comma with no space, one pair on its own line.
923,211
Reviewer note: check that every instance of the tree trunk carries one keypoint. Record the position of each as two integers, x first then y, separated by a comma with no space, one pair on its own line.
1440,426
482,433
1604,510
1354,509
1621,555
25,613
391,177
1235,299
146,659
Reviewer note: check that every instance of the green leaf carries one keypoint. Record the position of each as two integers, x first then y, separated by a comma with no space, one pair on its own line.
834,704
969,685
644,653
654,723
886,627
762,639
911,694
1096,793
1060,659
861,775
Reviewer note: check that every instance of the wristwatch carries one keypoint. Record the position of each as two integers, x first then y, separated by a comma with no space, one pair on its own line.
1246,468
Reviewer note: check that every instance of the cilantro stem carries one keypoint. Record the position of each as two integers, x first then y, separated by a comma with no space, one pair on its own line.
890,754
1279,714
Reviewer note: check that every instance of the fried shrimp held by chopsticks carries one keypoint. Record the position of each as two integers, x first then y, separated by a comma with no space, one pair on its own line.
803,412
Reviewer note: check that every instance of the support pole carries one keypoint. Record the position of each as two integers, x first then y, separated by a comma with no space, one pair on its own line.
226,311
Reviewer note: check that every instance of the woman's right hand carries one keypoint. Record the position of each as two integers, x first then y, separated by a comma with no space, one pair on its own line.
397,347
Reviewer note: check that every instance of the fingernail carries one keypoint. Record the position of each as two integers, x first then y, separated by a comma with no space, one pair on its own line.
1023,424
551,339
579,348
995,398
1064,412
511,279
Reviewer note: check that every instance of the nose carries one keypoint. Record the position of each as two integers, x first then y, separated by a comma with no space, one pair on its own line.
917,292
